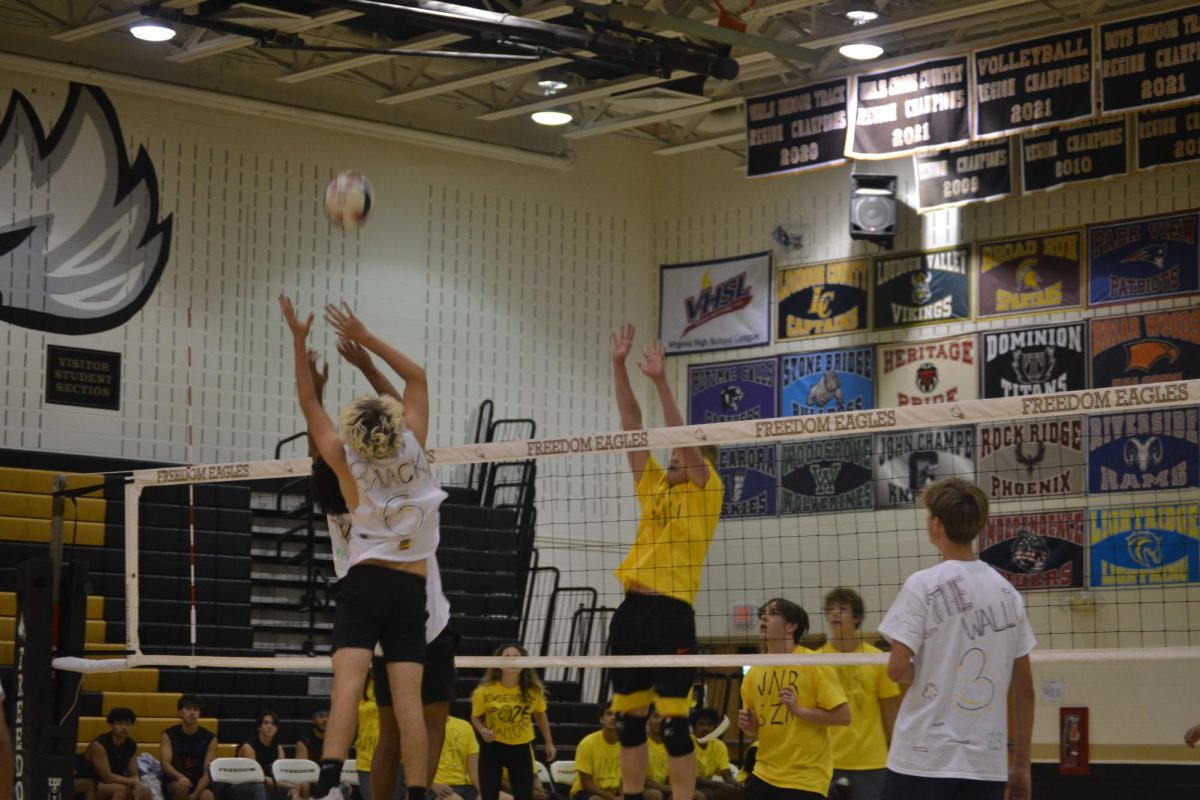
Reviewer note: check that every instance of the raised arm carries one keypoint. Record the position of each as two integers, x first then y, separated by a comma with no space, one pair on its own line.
320,377
357,355
627,404
653,366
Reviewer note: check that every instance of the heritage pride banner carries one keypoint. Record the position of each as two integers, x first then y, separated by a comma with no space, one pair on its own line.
922,373
1168,137
1072,154
715,305
1150,60
1139,259
797,129
963,175
1027,274
820,299
910,109
921,288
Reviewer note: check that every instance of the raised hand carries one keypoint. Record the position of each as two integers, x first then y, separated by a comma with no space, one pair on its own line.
747,722
355,354
653,364
299,329
622,342
345,323
319,377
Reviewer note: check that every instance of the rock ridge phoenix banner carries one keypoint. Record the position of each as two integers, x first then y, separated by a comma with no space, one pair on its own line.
1029,274
910,109
1033,458
715,305
1150,60
821,299
797,129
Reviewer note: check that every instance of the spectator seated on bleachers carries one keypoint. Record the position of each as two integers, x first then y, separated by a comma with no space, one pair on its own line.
714,777
598,762
186,752
112,758
265,749
457,776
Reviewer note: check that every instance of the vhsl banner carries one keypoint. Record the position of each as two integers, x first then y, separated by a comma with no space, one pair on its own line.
715,305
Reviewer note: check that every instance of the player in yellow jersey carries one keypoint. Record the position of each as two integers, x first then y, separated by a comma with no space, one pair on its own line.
679,507
504,708
790,709
457,775
598,762
657,773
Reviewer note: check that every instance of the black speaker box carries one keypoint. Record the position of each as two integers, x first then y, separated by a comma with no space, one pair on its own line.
873,208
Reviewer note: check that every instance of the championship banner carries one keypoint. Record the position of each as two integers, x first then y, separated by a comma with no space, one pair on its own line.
1145,348
1042,550
820,299
908,461
1042,360
798,129
1153,545
1143,258
1033,83
1168,137
715,305
1149,61
1144,450
749,473
1073,154
826,382
961,175
919,288
731,391
910,109
1029,274
826,475
921,373
1035,458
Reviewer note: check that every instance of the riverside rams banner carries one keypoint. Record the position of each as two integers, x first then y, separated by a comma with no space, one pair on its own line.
798,129
1150,60
1152,545
1168,137
1145,450
715,305
961,175
1029,274
1042,550
731,391
921,373
908,461
1143,258
750,477
826,475
1073,154
920,288
1032,459
1145,348
820,299
1042,360
911,109
825,382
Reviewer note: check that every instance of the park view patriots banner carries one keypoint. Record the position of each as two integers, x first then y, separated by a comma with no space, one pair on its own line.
1029,273
1042,550
1168,137
750,476
910,109
715,305
1032,459
1152,449
820,299
1145,348
908,461
1041,360
797,129
1033,83
826,382
961,175
918,288
1150,60
732,391
921,373
1073,154
1143,258
825,475
1151,545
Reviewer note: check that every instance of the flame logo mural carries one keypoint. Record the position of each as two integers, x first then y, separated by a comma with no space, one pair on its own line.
81,244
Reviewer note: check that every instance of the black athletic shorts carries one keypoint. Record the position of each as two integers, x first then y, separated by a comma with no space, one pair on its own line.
758,789
897,786
377,604
653,625
437,680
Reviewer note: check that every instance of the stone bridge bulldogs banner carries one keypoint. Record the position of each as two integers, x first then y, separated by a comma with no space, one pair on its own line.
1145,348
1152,545
1168,137
820,299
826,475
1144,450
1029,274
715,305
1042,360
1150,60
750,474
732,391
921,288
828,381
1036,551
1032,459
908,461
921,373
797,129
1073,154
1143,258
970,174
910,109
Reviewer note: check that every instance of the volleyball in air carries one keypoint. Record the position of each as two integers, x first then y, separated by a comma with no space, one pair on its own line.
348,200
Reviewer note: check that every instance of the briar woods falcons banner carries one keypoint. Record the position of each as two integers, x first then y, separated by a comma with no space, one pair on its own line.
715,305
731,391
750,474
906,462
1152,545
820,299
827,381
1029,274
1146,450
1145,348
1143,258
1031,459
921,288
920,373
1041,360
1041,550
825,475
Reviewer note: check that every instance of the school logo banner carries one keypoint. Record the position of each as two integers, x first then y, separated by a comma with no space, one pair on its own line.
824,382
750,476
1145,348
1143,258
1032,459
1036,551
920,373
1156,545
715,305
908,461
1041,360
825,475
732,391
920,288
1145,450
1030,273
820,299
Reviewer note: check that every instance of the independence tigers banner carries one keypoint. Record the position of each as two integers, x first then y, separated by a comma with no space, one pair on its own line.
749,473
1151,545
1029,274
1144,450
1032,459
1143,258
907,461
1041,550
715,305
825,382
921,373
921,288
825,475
1041,360
820,299
731,391
1145,348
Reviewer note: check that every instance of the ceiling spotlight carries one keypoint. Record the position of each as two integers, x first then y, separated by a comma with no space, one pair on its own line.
552,85
152,32
552,116
861,12
861,51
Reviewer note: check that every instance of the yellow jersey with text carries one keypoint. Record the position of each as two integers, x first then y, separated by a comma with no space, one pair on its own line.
601,759
657,761
712,759
506,712
459,745
863,743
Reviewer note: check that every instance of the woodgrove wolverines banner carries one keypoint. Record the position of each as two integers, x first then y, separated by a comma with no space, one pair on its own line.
715,305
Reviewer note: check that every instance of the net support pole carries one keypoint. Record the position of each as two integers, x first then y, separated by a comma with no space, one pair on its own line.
133,494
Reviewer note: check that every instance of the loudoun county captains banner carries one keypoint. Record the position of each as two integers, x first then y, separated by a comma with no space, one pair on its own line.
1168,137
732,390
1045,359
1150,60
959,175
1147,545
1145,348
1033,458
905,462
715,305
1029,274
797,129
820,299
1144,450
922,288
1073,154
750,474
1140,259
922,373
825,475
1039,550
910,109
826,381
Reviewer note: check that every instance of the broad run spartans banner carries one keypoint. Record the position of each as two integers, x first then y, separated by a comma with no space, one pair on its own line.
1046,359
1032,458
1073,154
1040,550
911,109
750,474
825,382
1029,274
826,475
1168,137
715,305
732,391
820,299
908,461
1145,348
1144,450
1143,258
798,129
922,373
961,175
921,288
1151,545
1033,83
1150,60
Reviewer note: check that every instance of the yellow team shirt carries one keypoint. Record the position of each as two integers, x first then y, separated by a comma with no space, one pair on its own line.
459,745
712,759
600,759
657,768
863,743
793,753
368,730
676,528
506,713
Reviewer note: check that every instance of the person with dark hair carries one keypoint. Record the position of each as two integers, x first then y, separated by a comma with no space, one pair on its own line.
309,744
111,756
790,709
714,775
598,762
503,709
263,747
457,775
185,751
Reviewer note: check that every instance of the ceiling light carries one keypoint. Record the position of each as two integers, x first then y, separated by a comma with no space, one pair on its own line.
861,51
552,116
152,32
552,85
861,12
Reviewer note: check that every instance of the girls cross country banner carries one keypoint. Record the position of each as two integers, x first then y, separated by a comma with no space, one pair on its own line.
715,305
910,109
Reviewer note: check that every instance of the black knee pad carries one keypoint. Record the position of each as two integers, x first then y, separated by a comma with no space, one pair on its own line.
631,730
677,736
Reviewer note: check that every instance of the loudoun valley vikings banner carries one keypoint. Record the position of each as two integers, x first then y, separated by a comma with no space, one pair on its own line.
922,288
819,299
1041,360
1143,258
1150,60
1144,450
825,475
1152,545
732,391
1145,348
750,474
827,381
908,461
1038,458
910,109
715,305
1042,550
921,373
1029,273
